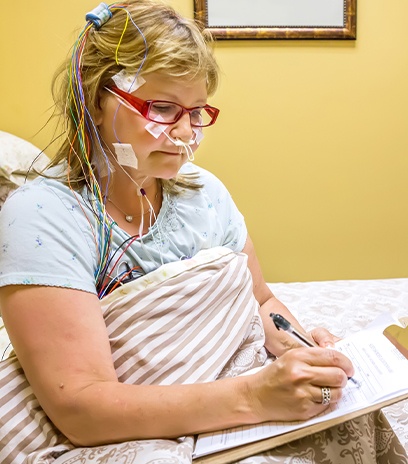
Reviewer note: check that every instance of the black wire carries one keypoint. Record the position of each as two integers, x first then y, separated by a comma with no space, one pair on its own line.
102,277
4,352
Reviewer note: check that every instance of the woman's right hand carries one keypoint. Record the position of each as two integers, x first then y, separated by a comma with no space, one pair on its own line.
291,387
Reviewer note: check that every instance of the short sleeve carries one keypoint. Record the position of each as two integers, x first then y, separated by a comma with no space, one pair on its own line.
232,222
46,238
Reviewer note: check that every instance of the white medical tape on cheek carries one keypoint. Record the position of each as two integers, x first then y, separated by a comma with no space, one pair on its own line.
155,128
198,135
125,155
127,82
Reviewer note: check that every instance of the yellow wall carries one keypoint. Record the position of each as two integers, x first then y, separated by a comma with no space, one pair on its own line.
312,139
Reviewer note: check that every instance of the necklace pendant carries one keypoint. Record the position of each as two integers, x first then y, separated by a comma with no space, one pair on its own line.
129,218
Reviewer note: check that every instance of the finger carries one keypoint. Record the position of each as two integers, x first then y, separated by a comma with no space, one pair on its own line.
332,377
323,337
320,357
318,376
330,396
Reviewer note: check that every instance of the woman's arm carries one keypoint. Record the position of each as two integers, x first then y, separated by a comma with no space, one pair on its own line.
277,341
61,341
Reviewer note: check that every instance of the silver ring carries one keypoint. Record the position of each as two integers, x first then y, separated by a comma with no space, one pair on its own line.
326,395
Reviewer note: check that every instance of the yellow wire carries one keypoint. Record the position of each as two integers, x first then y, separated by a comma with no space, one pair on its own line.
121,37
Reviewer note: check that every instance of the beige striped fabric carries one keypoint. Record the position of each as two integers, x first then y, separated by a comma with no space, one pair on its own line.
190,321
24,427
170,329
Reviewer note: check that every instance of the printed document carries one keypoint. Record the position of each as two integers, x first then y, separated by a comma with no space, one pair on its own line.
380,369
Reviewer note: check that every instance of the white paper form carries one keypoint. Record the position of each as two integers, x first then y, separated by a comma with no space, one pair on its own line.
379,367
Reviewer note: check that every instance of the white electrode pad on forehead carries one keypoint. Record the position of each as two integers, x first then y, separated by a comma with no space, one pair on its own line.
125,155
127,82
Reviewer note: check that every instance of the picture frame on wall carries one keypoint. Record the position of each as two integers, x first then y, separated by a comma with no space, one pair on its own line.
278,19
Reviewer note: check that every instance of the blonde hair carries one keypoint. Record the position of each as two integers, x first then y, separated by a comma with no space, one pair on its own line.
141,37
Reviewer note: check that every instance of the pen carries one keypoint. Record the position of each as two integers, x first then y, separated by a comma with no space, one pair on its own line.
281,323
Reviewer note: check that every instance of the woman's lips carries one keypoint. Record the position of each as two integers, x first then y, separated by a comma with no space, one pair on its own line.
169,152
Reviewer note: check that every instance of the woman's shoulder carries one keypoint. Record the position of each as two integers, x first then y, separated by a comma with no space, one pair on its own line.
46,238
44,199
45,189
213,190
42,187
204,177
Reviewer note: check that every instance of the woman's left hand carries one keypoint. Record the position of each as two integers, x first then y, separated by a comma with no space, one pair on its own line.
323,337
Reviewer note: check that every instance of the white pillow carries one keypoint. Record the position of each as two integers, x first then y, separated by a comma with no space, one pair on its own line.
16,157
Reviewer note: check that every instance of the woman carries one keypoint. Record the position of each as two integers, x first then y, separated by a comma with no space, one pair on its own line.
128,281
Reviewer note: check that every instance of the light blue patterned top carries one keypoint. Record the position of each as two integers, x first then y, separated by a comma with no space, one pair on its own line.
47,236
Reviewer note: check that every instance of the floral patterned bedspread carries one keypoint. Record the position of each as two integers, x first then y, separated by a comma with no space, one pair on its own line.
345,307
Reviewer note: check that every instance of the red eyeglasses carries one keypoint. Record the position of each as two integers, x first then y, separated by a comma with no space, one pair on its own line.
165,112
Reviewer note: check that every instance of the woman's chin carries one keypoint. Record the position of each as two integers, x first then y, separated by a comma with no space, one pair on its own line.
168,175
171,169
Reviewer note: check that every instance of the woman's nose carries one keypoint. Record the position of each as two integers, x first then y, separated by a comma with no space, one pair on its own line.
182,128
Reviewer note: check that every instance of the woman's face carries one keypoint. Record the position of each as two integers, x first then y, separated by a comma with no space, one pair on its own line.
157,157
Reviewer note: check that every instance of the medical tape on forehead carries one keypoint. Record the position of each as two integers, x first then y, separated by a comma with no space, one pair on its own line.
127,82
125,155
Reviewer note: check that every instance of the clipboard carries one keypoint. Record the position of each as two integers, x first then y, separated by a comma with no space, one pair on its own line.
240,452
397,335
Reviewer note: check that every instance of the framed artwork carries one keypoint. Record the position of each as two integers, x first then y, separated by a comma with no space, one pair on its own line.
278,19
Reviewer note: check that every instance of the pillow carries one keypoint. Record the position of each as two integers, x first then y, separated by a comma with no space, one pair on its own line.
202,310
16,158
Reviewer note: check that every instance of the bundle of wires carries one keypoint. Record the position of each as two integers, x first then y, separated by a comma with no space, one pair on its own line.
85,125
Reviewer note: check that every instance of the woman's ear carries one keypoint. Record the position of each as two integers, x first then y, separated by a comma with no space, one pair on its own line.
98,113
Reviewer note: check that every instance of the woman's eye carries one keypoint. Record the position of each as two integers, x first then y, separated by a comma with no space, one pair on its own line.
164,109
196,114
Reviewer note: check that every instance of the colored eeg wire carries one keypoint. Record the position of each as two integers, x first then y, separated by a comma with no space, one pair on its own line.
81,118
117,281
121,38
128,242
78,112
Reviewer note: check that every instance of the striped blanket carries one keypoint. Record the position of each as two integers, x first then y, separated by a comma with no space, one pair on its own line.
189,321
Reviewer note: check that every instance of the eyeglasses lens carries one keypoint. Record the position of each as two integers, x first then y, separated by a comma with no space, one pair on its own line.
169,112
